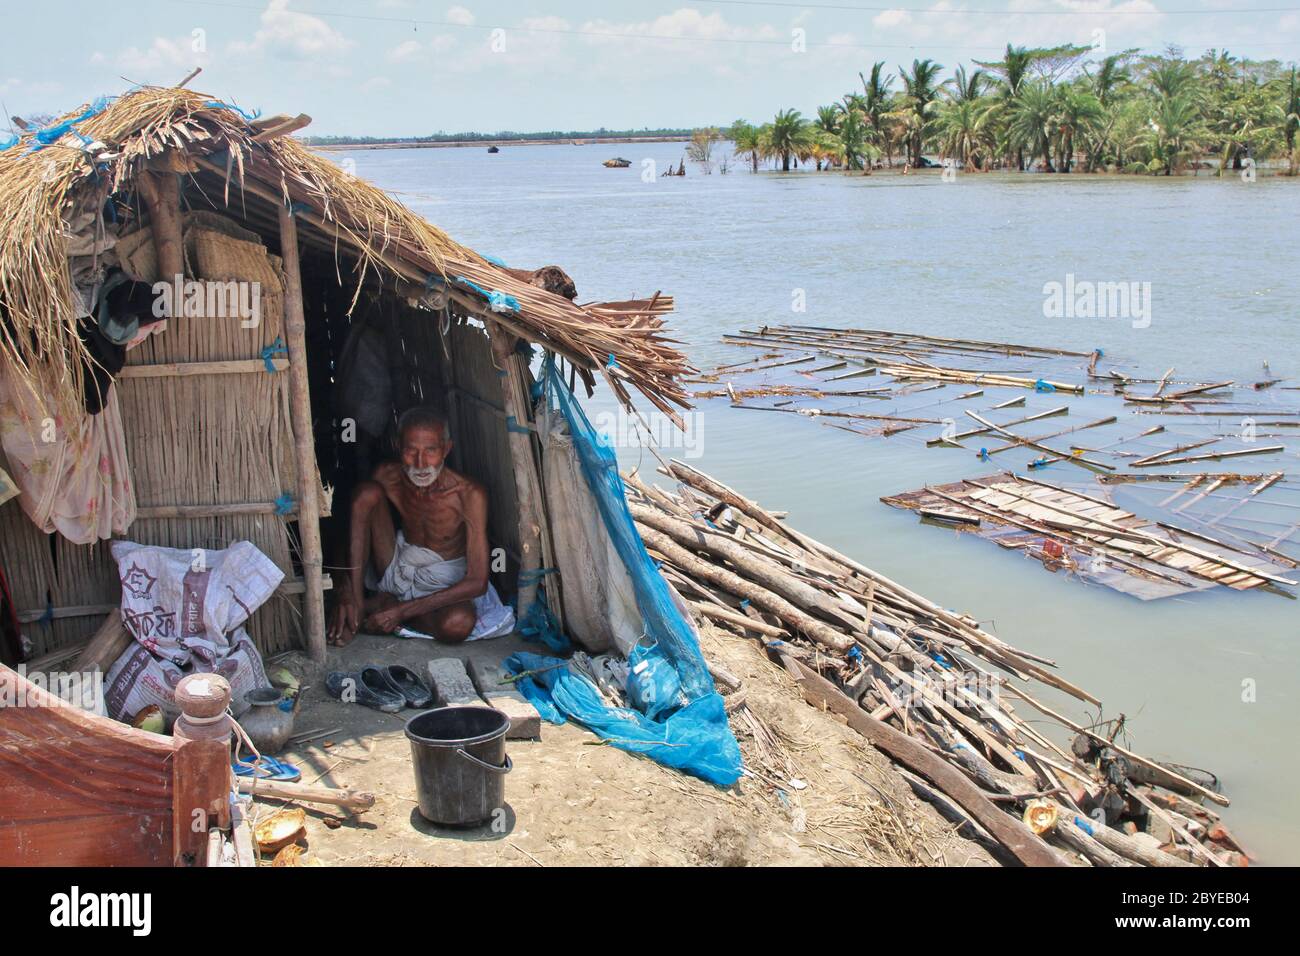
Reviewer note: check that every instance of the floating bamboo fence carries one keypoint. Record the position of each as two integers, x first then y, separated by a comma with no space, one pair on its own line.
921,386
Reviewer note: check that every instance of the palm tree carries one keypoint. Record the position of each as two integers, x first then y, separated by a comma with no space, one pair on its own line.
855,151
875,106
1013,69
1174,132
963,129
919,94
968,88
1033,119
1169,78
745,139
1110,76
1077,111
790,135
1291,118
828,119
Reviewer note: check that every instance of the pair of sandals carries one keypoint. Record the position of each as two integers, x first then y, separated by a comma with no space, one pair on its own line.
386,689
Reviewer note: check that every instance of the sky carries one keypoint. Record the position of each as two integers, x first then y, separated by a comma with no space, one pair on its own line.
412,67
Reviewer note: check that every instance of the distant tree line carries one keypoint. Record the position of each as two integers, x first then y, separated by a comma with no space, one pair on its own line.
441,137
1061,109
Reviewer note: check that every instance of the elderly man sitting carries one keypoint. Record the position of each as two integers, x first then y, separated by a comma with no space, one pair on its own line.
431,575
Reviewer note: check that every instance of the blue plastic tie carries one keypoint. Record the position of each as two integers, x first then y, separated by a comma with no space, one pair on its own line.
270,351
941,661
528,577
512,425
497,300
217,104
612,363
1099,352
1039,463
284,504
494,260
1083,825
984,454
854,654
1020,754
1041,386
744,603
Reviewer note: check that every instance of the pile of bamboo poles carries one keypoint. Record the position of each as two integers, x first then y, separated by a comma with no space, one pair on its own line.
929,687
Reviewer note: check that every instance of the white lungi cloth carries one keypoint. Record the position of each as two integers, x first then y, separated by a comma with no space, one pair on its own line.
417,572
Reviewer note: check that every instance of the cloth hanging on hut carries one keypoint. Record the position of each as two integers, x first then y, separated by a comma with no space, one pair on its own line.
73,474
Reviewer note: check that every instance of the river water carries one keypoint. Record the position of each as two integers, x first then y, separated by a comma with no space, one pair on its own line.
1210,680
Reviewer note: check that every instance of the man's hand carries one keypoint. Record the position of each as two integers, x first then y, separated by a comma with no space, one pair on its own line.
386,621
347,617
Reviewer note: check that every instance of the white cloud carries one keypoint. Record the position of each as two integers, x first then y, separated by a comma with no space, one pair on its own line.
291,35
407,50
891,18
160,58
461,16
375,84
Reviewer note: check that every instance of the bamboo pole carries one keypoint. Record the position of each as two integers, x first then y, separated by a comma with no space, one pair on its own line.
162,197
1006,829
528,484
295,334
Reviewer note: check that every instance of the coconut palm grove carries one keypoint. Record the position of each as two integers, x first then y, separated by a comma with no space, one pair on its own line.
1063,109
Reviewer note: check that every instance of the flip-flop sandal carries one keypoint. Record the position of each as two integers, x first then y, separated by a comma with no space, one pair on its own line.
406,682
368,687
267,768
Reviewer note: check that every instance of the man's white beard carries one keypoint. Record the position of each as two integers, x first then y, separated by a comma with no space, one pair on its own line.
423,477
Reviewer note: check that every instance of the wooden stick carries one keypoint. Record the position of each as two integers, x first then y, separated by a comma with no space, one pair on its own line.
1076,459
970,432
1106,742
1003,653
1006,829
106,646
351,799
1188,459
816,631
180,369
528,489
304,441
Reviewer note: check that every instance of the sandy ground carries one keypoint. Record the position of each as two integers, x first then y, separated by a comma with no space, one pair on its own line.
820,795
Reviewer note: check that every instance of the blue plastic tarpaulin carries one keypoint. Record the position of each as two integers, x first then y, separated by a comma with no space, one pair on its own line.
690,732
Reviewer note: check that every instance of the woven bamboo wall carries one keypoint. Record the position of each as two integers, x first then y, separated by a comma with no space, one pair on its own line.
192,440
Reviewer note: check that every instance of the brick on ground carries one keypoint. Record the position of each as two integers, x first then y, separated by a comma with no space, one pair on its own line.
525,722
451,684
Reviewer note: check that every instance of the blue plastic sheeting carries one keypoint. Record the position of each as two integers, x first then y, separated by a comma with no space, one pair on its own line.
712,752
219,105
696,738
497,300
538,624
48,134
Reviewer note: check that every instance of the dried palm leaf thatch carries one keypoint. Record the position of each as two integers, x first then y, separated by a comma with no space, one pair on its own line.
99,149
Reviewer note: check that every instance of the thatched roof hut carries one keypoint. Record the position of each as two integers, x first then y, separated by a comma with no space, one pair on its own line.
202,440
